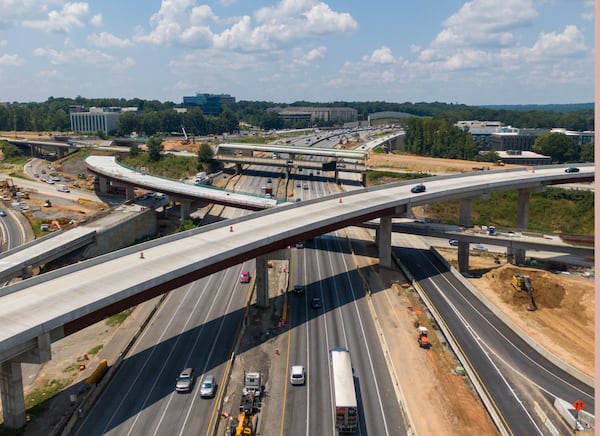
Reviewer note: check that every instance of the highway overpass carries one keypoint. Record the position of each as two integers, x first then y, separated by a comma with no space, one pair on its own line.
111,171
43,309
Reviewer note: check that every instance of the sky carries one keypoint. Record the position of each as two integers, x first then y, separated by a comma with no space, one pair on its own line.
479,52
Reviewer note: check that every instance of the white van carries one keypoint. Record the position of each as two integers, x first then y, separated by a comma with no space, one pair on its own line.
62,188
297,375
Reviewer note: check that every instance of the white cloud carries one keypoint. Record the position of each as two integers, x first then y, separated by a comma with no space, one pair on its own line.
13,60
569,43
289,23
13,11
312,55
74,55
3,42
381,55
485,23
69,17
105,39
96,20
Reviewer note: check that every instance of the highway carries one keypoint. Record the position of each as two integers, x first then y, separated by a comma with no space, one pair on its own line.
94,284
512,373
326,269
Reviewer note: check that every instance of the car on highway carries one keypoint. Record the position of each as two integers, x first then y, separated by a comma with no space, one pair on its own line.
315,303
297,375
453,242
572,170
244,277
298,289
185,381
2,213
418,188
208,386
479,247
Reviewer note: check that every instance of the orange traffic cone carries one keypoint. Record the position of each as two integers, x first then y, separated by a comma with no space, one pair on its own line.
142,255
231,228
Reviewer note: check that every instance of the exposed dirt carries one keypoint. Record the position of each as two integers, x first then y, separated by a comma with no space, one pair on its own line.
429,165
564,320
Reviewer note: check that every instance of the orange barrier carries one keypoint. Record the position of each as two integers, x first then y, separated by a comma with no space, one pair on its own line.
98,373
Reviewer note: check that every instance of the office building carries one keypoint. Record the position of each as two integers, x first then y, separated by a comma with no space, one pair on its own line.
211,104
96,119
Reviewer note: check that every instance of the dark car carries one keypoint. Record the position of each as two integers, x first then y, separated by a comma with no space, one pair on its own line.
2,213
418,188
298,289
572,170
453,242
315,303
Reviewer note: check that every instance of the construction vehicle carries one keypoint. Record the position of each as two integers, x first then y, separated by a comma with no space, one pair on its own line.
245,425
422,338
523,283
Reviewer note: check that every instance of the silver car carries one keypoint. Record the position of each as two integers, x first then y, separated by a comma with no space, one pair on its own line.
185,380
208,386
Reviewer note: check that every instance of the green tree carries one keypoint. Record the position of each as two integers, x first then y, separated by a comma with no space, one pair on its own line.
556,145
205,153
587,152
155,147
134,151
10,151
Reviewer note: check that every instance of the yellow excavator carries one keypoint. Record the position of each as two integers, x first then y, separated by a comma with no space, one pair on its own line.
523,283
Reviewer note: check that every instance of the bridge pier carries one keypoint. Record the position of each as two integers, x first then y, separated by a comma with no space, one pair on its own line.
262,274
11,382
464,220
129,193
186,206
238,168
522,221
103,184
383,238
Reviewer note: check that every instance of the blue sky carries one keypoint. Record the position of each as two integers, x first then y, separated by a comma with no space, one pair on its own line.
476,52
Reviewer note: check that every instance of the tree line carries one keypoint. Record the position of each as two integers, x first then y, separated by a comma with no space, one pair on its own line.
159,117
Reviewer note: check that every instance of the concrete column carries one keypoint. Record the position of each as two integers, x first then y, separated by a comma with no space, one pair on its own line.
336,177
129,193
27,272
464,218
238,168
463,257
384,241
262,282
522,222
363,179
103,184
186,206
11,391
60,153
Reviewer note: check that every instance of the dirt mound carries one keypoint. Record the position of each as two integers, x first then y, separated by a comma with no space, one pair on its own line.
547,293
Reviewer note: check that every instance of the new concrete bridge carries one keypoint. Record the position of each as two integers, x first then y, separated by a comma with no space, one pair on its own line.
43,309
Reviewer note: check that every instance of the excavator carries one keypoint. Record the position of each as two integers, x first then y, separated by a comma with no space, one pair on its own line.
523,283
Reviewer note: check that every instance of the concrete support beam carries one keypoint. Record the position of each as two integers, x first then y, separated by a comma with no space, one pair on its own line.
363,179
186,206
238,168
262,281
11,394
522,221
464,220
41,353
103,184
27,272
383,237
463,257
129,193
60,152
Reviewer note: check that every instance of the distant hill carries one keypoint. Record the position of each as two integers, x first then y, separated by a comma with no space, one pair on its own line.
574,107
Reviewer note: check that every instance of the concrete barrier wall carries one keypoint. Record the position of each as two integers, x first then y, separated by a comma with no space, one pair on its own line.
124,234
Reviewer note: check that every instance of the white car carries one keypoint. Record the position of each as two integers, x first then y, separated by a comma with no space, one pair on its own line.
479,247
297,375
